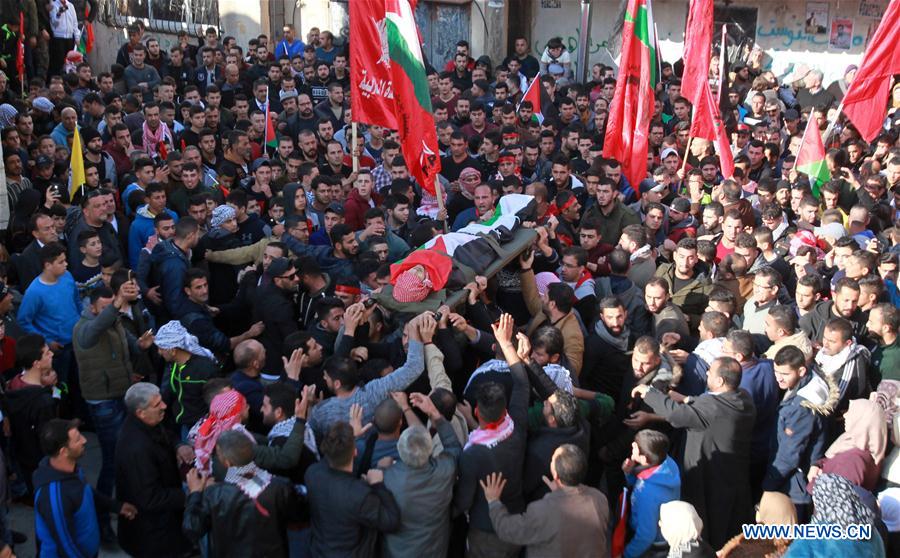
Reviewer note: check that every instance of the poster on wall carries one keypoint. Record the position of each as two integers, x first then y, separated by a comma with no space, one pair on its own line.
872,8
816,18
841,33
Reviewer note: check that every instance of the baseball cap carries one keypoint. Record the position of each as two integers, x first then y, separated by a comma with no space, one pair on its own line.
681,205
261,162
648,185
556,68
666,152
43,161
287,95
791,114
278,267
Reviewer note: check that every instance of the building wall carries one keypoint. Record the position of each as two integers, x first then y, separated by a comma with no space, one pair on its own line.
780,30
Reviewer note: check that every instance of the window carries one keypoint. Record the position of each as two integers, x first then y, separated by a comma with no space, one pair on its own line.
165,15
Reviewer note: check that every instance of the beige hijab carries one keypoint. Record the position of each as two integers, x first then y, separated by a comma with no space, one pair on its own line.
865,428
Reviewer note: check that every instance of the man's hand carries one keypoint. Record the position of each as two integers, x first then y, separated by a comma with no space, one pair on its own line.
162,174
128,511
551,483
628,466
814,472
526,259
385,462
356,416
426,405
444,311
154,296
401,399
503,329
524,347
493,486
185,454
293,366
55,346
637,420
475,288
256,329
458,322
195,481
305,402
146,340
679,356
359,354
353,316
374,476
278,230
677,397
427,327
670,339
640,391
465,410
441,215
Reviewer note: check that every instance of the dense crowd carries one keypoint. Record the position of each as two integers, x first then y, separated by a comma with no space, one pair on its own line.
270,366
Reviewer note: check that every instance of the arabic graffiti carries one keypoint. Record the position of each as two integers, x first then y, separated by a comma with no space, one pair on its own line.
788,36
571,43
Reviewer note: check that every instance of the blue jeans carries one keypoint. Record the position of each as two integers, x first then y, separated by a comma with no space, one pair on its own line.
107,417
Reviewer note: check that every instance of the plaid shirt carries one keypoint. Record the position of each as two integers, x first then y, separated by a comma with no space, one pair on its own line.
382,178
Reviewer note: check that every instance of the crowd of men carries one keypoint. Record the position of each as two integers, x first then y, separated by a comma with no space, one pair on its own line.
667,357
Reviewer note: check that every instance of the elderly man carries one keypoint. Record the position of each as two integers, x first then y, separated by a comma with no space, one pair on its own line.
63,131
422,485
147,474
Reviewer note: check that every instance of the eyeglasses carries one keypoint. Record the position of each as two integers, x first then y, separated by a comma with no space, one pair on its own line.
289,277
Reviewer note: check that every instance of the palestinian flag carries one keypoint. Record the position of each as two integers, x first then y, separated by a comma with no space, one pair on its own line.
811,158
628,125
536,94
270,140
511,210
86,44
412,99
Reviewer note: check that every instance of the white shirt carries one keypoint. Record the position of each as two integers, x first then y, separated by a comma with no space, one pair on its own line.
64,23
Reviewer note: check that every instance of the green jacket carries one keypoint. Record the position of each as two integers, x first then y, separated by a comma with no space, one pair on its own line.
103,351
691,298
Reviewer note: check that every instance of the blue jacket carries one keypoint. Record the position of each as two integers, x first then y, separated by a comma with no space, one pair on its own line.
465,217
65,518
647,495
334,267
800,440
141,229
758,380
168,265
200,76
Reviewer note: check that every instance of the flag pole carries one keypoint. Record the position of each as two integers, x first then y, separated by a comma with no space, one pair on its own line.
439,192
831,123
353,150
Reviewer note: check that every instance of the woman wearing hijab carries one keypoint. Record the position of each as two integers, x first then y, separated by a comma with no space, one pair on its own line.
681,527
836,502
775,508
857,455
188,367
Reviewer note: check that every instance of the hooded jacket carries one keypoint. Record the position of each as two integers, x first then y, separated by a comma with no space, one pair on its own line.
650,490
800,436
168,265
65,518
142,228
29,408
691,298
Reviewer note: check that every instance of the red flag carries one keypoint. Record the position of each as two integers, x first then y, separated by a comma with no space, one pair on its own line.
697,41
20,49
534,94
371,86
866,98
628,124
707,124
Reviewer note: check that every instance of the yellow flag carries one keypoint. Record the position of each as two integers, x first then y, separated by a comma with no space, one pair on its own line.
76,166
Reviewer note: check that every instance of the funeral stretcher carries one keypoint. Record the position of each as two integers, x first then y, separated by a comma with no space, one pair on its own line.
478,249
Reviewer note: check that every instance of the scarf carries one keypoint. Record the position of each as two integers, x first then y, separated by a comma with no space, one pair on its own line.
640,252
709,350
224,414
836,502
152,140
619,342
251,480
560,376
492,433
173,335
865,429
831,365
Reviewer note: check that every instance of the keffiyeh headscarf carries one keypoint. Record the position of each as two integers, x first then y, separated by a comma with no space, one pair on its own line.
221,214
43,104
173,335
7,115
835,501
413,285
152,140
225,412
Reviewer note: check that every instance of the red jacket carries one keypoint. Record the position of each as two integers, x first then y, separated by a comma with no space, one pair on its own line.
355,209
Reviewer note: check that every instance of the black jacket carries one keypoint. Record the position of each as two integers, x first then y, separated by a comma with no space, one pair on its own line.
182,388
147,475
28,409
239,527
28,265
275,308
346,513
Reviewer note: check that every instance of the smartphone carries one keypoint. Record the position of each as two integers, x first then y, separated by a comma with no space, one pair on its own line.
369,302
438,316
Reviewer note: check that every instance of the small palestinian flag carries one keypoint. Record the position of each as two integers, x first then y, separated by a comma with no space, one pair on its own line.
536,95
811,158
271,140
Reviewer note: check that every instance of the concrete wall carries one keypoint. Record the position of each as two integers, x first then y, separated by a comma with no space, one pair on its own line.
780,31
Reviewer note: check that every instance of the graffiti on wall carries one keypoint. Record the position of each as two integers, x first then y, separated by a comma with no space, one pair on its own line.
785,36
570,41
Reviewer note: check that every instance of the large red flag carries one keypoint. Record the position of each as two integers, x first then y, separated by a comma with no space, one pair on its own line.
20,50
697,41
628,124
866,98
371,85
707,124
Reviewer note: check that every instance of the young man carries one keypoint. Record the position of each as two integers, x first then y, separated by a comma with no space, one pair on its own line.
801,430
64,504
